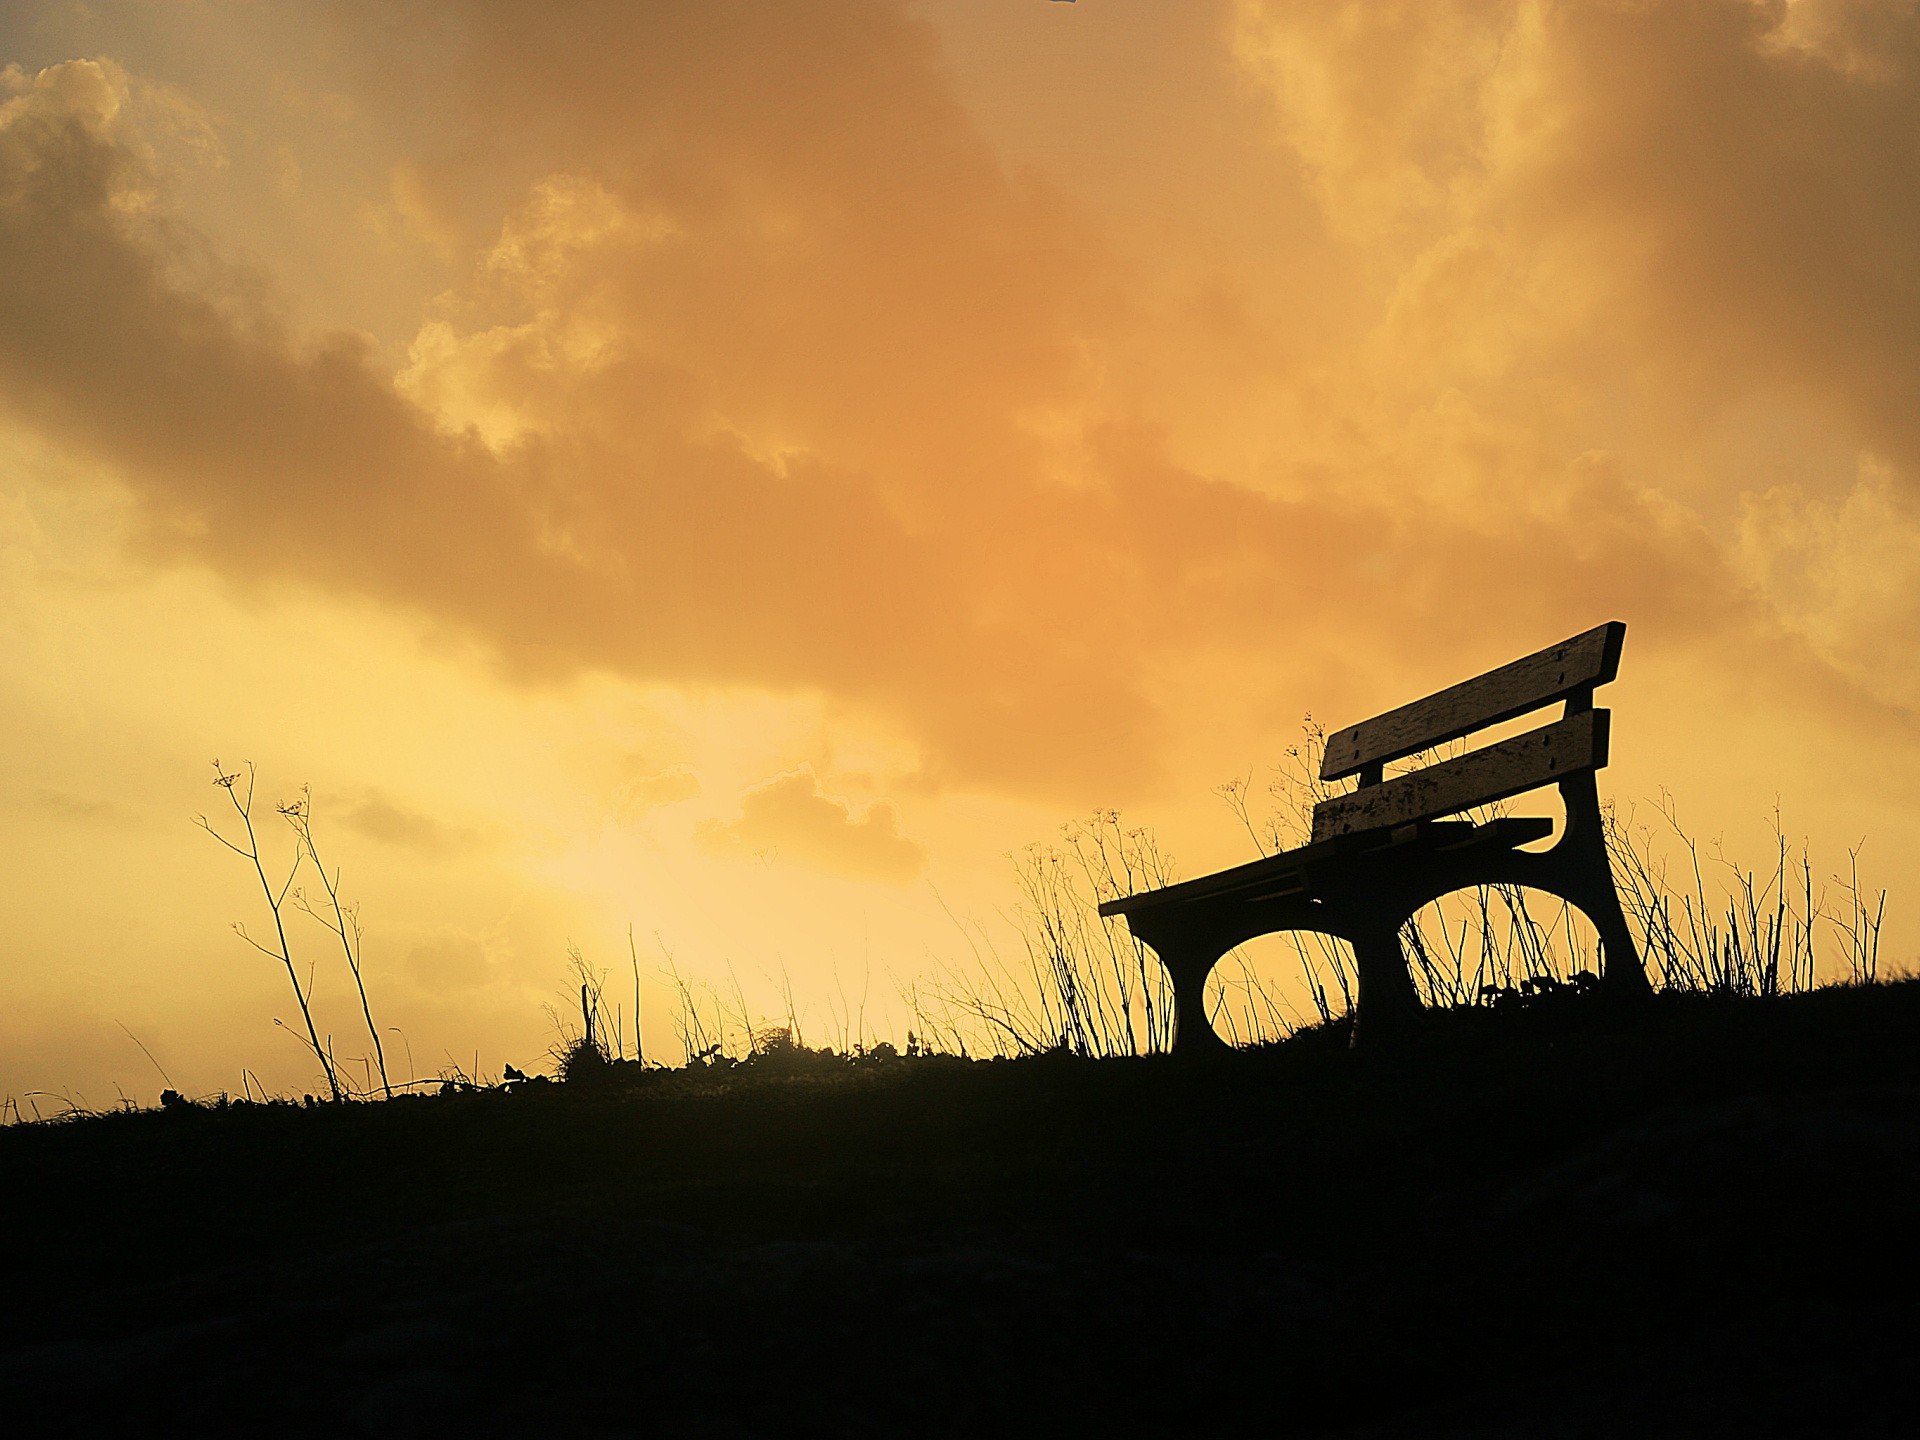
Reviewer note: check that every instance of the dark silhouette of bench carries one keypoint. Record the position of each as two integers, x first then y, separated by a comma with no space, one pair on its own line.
1380,852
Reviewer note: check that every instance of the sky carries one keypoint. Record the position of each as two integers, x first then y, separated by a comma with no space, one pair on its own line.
742,471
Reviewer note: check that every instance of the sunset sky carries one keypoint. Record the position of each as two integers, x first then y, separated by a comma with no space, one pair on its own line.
744,469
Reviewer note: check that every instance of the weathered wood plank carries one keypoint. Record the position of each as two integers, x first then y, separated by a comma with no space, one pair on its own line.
1273,873
1575,664
1539,757
1442,837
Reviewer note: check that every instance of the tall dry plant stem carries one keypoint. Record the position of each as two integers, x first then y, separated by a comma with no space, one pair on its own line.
344,921
1087,986
276,904
633,956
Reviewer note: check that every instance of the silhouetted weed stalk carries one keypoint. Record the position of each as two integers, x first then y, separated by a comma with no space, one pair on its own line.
717,1030
1081,984
241,796
342,919
1746,931
600,1038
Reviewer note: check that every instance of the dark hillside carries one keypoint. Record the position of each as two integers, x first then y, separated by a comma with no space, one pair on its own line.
1696,1218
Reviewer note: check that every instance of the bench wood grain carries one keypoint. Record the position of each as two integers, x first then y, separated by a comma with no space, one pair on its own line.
1482,777
1556,673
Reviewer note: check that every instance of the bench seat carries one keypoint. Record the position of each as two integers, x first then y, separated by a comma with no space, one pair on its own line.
1308,867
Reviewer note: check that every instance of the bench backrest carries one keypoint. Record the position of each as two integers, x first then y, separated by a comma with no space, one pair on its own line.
1569,672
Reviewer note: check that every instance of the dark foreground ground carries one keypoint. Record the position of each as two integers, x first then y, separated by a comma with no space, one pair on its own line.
1697,1221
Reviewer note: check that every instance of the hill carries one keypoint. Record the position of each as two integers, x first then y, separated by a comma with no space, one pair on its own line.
1693,1218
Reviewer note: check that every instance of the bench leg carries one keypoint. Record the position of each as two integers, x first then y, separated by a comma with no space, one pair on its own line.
1387,1001
1590,885
1622,971
1192,1034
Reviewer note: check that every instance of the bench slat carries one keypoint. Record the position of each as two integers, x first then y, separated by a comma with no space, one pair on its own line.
1495,772
1575,664
1276,874
1506,832
1254,873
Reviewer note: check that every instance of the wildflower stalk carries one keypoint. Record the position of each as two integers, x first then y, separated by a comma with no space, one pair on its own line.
276,903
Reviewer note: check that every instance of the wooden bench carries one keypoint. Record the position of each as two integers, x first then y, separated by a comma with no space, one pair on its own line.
1381,851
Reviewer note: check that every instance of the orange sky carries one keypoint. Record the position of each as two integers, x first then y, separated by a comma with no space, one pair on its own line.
743,469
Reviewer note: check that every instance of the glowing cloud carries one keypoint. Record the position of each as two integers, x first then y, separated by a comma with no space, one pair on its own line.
788,818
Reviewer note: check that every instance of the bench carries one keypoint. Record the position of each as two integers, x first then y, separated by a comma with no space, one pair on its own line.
1381,851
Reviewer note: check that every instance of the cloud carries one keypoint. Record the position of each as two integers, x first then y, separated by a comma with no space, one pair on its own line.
614,503
1681,233
647,791
451,960
1847,573
790,817
380,817
633,523
89,809
1708,199
768,373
